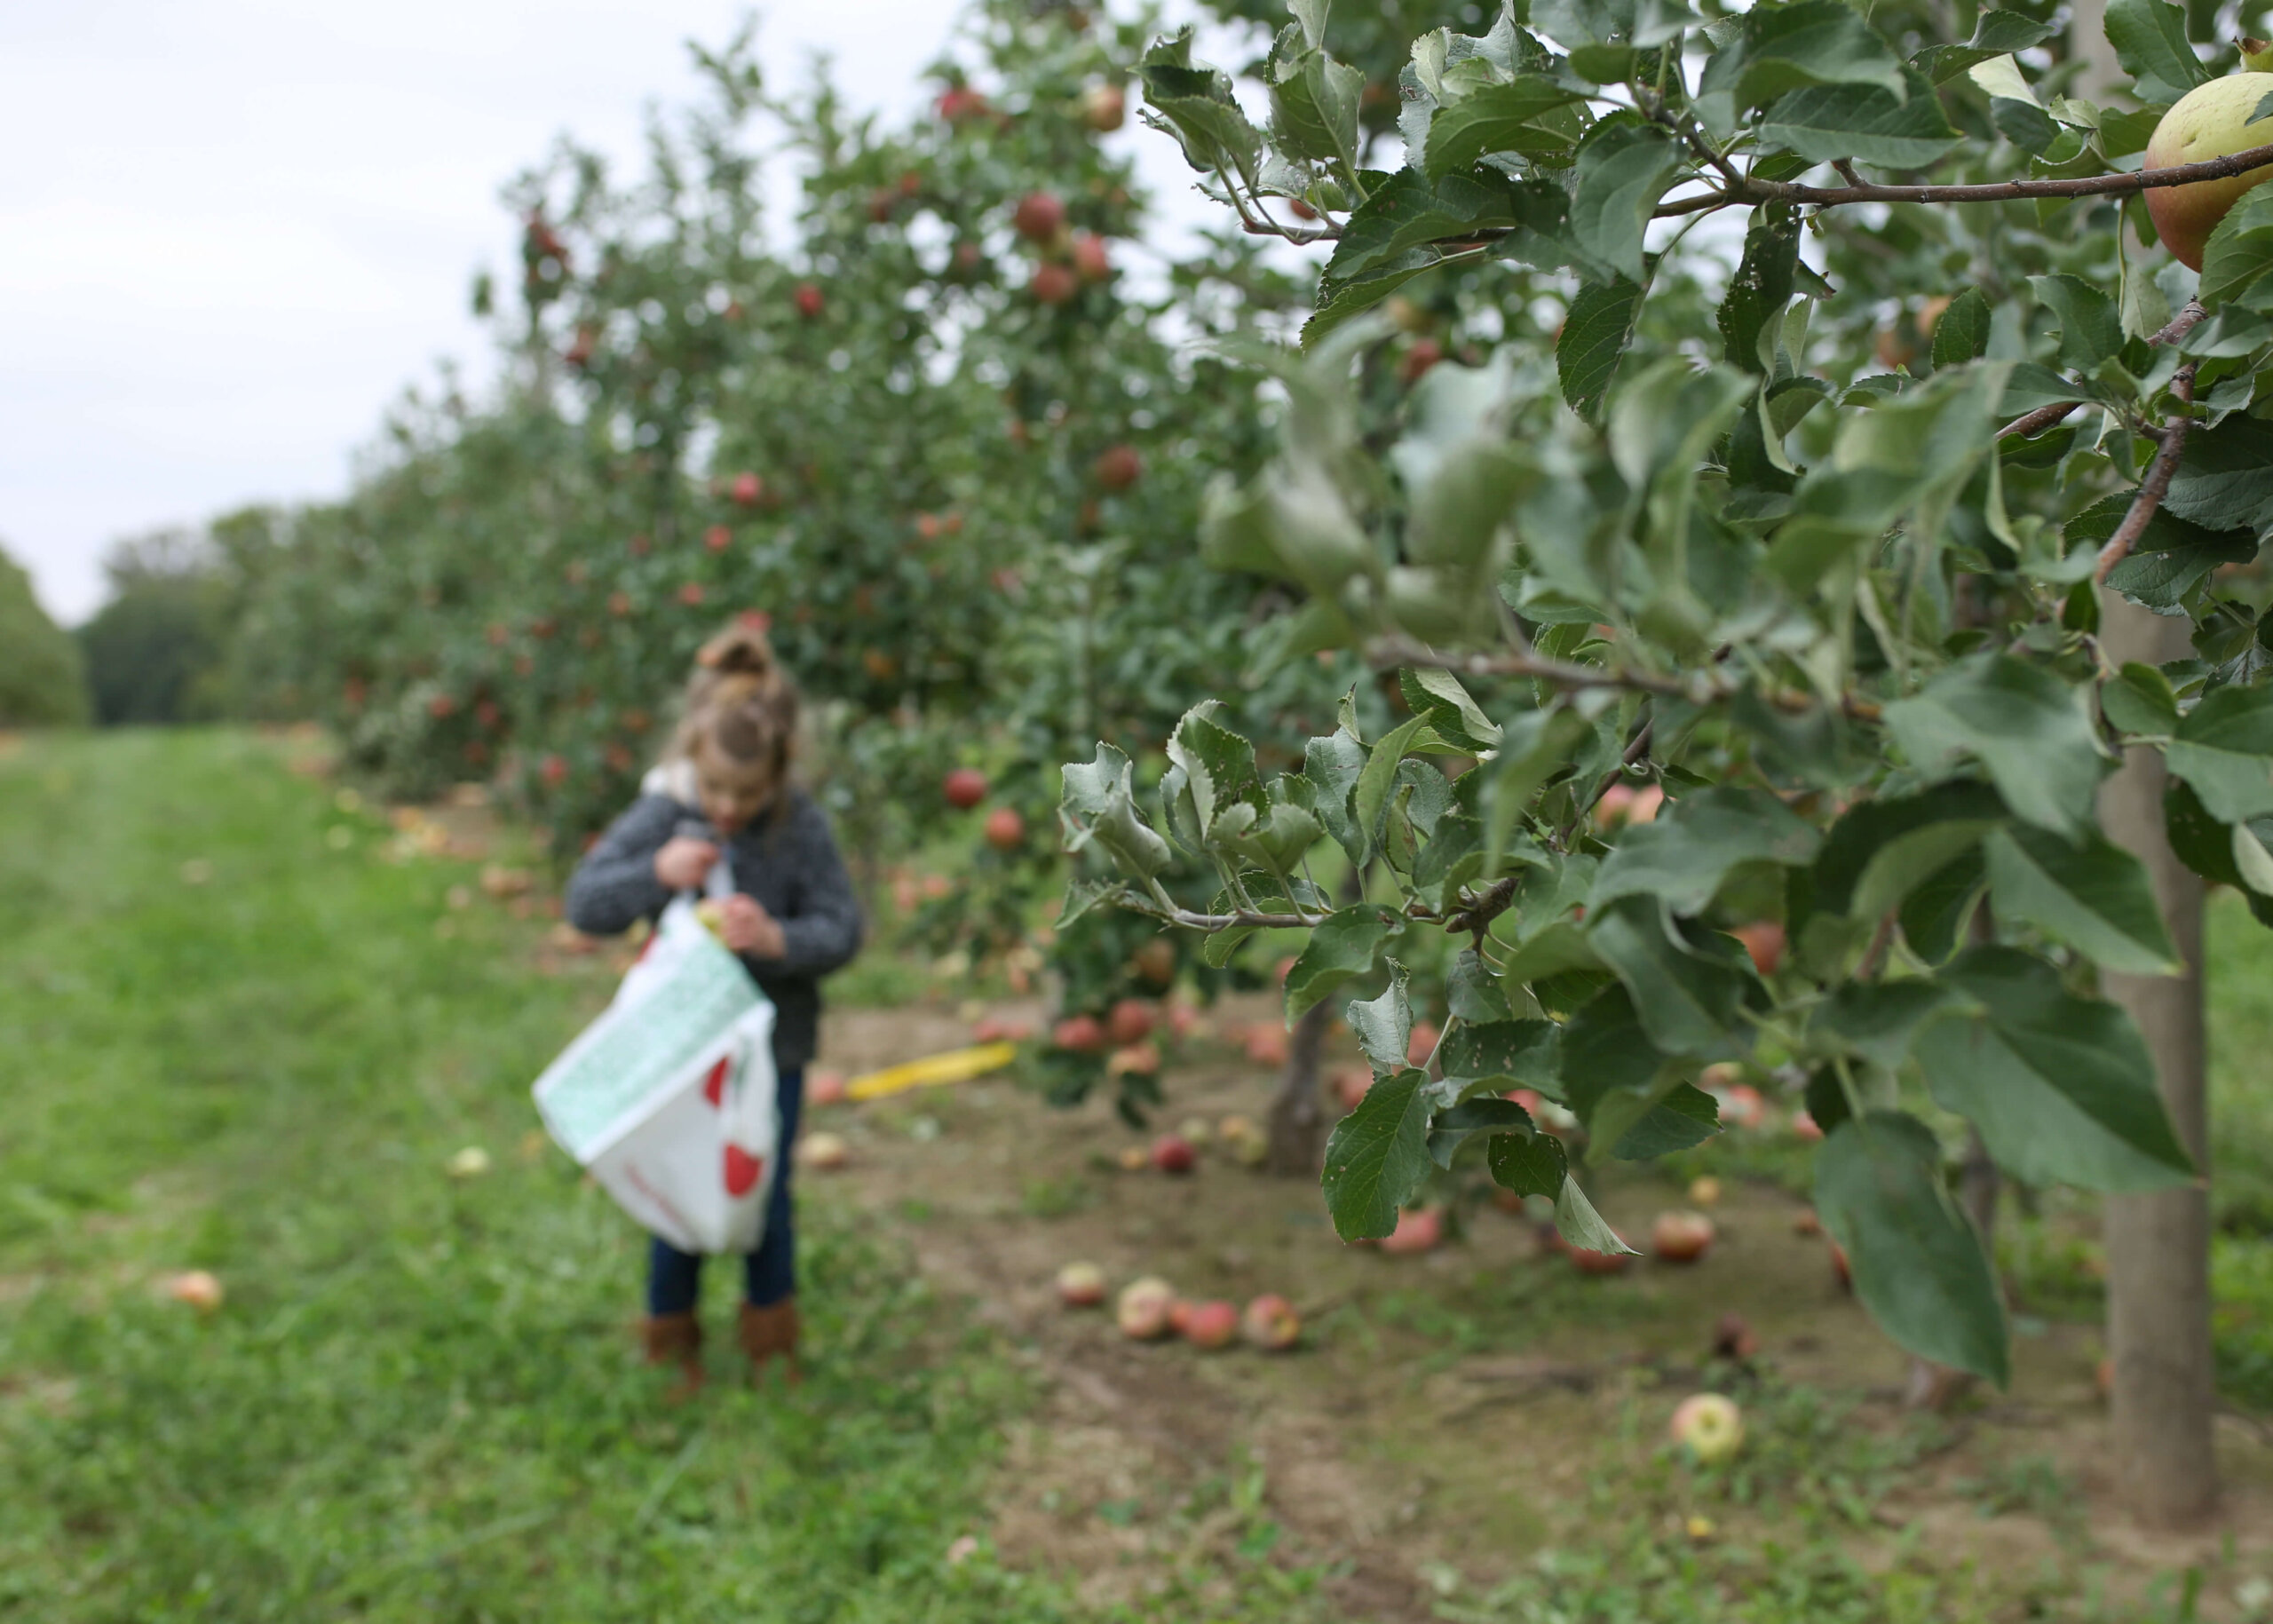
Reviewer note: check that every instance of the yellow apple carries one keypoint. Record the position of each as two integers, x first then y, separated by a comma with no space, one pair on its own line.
2210,121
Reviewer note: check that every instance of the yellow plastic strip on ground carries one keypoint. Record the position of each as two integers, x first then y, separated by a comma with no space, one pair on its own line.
956,1066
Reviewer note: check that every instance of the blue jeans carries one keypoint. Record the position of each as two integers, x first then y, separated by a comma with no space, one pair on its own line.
675,1278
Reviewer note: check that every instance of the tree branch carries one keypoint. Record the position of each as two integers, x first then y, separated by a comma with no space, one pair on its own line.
1756,190
2156,486
2030,425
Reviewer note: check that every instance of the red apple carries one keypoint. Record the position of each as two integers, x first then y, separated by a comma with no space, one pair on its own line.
1143,1308
690,594
748,488
2210,121
1180,1315
1117,468
1266,1043
1130,1021
1054,284
1212,1324
1142,1059
1172,1153
824,1088
964,788
197,1287
1422,1044
1006,831
1091,261
1419,1229
1805,1125
1350,1083
717,538
1270,1323
1081,1285
555,771
1105,107
1155,963
1763,938
1709,1426
958,104
810,301
1681,1237
1039,216
1743,1107
1083,1035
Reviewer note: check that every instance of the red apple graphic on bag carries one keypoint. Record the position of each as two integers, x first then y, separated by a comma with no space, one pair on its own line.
743,1170
714,1086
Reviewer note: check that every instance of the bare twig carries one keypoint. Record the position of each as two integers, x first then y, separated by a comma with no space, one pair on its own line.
2156,486
2030,425
1756,190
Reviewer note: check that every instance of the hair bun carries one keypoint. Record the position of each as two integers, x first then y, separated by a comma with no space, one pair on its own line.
739,651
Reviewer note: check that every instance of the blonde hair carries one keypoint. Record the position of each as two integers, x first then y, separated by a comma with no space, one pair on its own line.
739,730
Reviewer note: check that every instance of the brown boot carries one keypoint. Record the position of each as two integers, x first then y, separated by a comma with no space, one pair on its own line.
769,1334
675,1339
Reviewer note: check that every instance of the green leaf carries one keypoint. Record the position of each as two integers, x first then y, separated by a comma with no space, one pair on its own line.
1530,114
1342,946
2207,846
1686,1001
1776,50
1489,1114
1685,1116
1332,763
2095,898
1314,107
1473,993
1083,895
1858,842
1870,124
1683,856
2150,41
1877,1020
2224,749
1217,765
1370,796
1529,1164
1963,333
1579,1224
1533,746
1098,808
1606,1050
1917,1265
1406,211
1523,1051
2023,726
1996,34
1462,509
1383,1026
1623,168
1452,713
1377,1157
2225,476
2062,1088
2240,248
1596,331
2172,556
1753,308
2091,328
1194,103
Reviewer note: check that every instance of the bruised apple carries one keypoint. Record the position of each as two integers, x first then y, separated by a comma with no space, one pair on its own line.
1270,1323
1681,1237
1143,1309
1211,1325
2210,121
1081,1285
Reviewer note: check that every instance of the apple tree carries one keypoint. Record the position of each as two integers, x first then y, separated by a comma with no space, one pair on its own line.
1875,424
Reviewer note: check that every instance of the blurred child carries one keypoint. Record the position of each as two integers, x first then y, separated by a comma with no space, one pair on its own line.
723,792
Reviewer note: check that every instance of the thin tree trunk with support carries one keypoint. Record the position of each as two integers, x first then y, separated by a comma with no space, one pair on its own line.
1297,1133
2165,1392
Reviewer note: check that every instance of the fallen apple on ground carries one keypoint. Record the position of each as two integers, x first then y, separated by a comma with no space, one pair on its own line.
1419,1229
824,1152
1142,1310
472,1162
198,1288
1173,1153
1733,1338
1681,1237
1212,1324
825,1088
1270,1323
1081,1285
1709,1426
1705,1192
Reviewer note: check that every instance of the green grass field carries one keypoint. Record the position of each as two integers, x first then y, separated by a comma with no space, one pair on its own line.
236,1039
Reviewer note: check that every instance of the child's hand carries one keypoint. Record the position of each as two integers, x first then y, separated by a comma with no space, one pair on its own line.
745,927
683,861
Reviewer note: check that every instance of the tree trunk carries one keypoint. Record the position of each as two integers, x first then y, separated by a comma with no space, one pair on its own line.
2165,1393
1297,1118
1937,1387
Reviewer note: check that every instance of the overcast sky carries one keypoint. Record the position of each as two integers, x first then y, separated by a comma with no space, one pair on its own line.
231,231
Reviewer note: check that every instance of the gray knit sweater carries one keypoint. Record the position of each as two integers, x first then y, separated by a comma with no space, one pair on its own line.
790,865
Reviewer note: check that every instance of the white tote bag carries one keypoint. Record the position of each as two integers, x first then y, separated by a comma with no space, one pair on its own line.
669,1097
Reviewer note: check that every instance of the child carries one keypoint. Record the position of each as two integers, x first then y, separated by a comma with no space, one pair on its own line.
724,789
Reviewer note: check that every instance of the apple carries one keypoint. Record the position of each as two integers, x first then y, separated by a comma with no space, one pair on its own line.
1419,1229
1422,1044
964,788
1133,1159
1091,261
1180,1315
824,1152
1081,1285
1705,1192
690,594
2210,121
825,1088
1196,1129
1006,828
1083,1035
1763,938
1039,216
1105,107
1266,1043
1140,1059
1803,1123
1270,1323
1172,1153
1054,284
1130,1021
1117,468
201,1290
1301,209
1420,355
1212,1324
810,301
1597,1263
1681,1237
1709,1426
1155,963
1350,1083
1143,1308
1742,1106
1247,1143
472,1162
1733,1338
960,103
747,488
1839,1267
